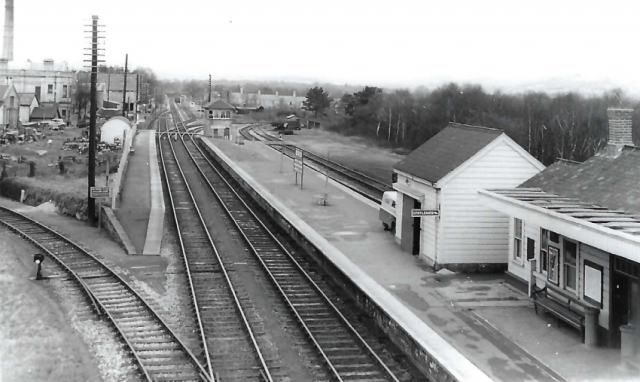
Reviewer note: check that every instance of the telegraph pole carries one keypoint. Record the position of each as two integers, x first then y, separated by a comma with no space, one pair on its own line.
124,89
91,207
135,110
209,87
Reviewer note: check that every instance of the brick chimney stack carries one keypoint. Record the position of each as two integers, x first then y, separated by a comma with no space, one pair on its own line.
620,126
7,47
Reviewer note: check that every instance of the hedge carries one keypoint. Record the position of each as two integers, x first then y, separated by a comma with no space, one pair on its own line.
67,203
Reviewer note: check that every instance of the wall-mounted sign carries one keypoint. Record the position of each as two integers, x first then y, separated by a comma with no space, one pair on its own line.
593,283
420,213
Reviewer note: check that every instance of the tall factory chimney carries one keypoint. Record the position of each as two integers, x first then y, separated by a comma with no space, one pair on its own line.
7,46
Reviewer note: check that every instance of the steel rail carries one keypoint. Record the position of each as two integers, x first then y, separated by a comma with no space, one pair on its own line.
265,368
298,266
186,263
109,273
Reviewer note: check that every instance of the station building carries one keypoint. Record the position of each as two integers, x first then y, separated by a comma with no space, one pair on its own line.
443,176
574,229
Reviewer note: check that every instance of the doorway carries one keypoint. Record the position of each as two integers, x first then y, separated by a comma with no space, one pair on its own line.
417,227
619,306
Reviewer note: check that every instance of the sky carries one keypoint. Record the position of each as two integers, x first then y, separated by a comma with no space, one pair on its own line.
383,43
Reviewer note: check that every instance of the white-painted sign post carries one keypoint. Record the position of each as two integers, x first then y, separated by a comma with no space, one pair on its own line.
298,165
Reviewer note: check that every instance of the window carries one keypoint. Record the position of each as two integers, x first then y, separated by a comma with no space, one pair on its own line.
517,241
531,249
50,89
544,254
12,101
64,112
554,258
64,91
569,264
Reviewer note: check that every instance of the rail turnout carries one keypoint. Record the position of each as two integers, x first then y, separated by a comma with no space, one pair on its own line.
153,347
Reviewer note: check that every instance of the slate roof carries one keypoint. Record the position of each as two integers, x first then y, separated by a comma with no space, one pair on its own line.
607,181
446,151
3,90
45,112
109,113
593,213
26,98
219,105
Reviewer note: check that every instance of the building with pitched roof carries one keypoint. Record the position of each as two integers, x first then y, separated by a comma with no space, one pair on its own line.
28,102
110,90
219,116
44,113
10,108
575,234
441,179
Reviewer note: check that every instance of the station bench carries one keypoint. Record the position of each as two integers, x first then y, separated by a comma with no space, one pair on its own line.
562,307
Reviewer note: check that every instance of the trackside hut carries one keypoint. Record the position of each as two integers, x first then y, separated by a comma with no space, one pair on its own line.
445,174
575,229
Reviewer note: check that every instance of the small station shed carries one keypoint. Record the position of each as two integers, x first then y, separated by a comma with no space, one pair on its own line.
219,116
441,179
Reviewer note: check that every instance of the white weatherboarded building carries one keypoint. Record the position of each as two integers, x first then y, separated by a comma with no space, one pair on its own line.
445,174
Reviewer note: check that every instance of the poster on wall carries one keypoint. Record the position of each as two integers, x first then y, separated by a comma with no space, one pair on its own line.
593,283
552,271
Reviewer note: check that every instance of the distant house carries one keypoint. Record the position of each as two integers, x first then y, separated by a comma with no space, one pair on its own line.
575,231
42,113
28,102
9,111
441,179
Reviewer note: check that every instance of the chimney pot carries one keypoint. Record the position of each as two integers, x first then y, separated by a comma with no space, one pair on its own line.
620,126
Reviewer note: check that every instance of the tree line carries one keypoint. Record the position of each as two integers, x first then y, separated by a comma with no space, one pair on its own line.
568,126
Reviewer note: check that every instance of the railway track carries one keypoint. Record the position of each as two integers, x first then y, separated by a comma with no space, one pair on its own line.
152,346
346,355
231,347
363,184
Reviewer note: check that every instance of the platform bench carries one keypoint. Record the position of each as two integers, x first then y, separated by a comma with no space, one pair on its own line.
562,307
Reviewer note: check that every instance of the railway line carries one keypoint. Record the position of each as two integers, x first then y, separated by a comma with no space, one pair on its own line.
347,349
155,352
363,184
230,346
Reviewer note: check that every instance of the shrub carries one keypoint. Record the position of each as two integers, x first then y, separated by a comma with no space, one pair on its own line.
68,203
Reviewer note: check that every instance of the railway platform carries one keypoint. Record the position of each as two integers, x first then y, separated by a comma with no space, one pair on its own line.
141,208
478,324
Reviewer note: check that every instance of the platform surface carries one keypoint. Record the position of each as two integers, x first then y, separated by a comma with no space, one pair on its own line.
483,318
135,204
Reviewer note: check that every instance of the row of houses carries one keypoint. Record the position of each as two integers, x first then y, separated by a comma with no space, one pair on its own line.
51,87
471,198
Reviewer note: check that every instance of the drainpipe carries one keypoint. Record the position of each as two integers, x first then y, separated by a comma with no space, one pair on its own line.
437,224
